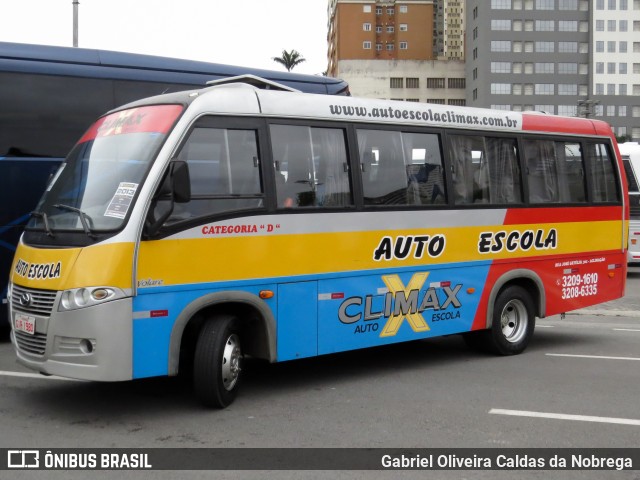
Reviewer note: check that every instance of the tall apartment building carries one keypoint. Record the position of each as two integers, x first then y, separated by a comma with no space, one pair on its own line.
385,49
448,31
567,57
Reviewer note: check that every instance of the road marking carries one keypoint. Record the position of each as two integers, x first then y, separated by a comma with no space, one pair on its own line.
600,357
605,313
35,375
545,326
627,329
562,416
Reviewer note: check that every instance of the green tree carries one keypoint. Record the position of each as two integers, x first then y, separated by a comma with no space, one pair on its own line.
289,59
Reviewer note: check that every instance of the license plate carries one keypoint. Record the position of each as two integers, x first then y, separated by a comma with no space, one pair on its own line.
24,323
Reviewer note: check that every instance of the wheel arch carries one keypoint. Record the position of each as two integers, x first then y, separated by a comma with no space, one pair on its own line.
527,279
253,313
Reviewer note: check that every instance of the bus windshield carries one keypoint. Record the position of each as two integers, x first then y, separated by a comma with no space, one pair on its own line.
95,187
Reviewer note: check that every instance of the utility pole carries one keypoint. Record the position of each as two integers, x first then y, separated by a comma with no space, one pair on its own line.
75,22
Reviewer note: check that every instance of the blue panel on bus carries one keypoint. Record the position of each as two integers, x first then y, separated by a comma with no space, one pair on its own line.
297,320
394,307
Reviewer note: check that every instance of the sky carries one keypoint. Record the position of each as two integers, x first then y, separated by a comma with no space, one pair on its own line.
236,32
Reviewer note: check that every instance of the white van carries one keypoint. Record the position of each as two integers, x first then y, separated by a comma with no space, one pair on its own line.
630,152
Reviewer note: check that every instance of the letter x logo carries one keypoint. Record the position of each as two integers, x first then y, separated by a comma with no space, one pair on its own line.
416,321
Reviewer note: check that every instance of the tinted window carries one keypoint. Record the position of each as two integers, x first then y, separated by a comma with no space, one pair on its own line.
311,166
603,176
555,171
401,168
484,170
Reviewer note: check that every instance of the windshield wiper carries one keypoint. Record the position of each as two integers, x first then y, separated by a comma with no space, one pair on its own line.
45,220
83,218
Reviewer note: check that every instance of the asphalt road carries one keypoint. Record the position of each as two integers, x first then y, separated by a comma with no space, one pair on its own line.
577,385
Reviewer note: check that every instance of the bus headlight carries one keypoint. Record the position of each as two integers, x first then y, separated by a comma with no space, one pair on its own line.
86,297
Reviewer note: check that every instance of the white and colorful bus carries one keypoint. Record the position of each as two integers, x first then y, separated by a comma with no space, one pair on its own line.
188,230
630,152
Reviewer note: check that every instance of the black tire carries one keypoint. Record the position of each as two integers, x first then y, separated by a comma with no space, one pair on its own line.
217,362
512,324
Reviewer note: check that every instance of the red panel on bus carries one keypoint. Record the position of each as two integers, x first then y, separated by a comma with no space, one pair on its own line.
551,123
522,216
155,118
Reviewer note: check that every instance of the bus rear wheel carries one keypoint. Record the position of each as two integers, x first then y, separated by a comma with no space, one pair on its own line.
217,364
512,324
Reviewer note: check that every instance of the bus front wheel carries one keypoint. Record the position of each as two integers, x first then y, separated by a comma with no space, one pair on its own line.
217,362
512,324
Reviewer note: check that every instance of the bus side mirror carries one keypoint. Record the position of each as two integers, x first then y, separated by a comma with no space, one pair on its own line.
175,188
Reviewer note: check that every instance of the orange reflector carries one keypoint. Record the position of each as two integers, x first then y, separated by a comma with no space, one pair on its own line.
612,274
471,290
264,294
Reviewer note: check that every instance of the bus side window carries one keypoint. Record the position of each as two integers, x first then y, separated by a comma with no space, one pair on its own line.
311,166
571,177
542,175
603,177
224,171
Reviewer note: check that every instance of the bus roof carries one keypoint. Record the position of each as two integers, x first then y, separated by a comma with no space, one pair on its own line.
245,99
82,62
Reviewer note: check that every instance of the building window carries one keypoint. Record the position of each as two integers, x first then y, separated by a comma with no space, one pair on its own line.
622,68
599,88
457,101
500,46
611,47
545,4
567,26
404,45
568,68
498,25
366,45
403,9
567,89
378,10
624,4
599,25
545,26
500,67
612,4
600,46
547,47
546,67
437,101
611,68
457,83
404,27
568,4
501,4
378,28
599,4
396,82
435,82
622,47
378,47
611,88
611,111
501,89
599,67
623,26
390,46
622,111
568,110
611,25
568,47
390,11
366,8
413,83
622,90
390,28
366,27
544,89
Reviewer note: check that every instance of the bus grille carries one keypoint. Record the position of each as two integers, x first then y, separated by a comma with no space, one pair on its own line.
40,301
34,344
